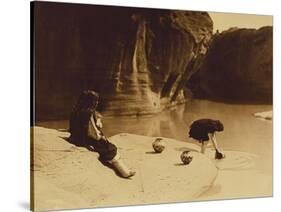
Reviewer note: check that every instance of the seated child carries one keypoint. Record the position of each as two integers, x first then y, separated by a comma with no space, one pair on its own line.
85,129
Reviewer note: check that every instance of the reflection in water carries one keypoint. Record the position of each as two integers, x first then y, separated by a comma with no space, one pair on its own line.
170,123
243,132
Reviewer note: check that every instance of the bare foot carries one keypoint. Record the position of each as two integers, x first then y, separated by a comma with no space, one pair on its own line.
130,174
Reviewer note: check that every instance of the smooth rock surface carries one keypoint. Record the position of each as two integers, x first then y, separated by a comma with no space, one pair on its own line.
266,115
67,176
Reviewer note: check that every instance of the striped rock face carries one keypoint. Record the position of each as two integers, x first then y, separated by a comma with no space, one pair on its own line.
138,60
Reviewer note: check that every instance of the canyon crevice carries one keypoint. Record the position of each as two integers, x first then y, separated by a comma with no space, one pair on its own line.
142,61
138,60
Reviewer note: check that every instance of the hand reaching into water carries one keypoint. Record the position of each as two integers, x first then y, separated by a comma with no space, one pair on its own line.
219,154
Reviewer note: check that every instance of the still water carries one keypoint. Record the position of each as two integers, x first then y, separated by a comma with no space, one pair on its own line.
243,132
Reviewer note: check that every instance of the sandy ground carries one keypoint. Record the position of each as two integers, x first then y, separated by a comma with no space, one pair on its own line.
67,176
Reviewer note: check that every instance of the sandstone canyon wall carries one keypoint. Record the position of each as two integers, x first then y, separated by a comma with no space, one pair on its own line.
137,59
238,67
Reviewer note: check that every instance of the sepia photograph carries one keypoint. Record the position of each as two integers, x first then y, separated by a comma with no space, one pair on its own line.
137,106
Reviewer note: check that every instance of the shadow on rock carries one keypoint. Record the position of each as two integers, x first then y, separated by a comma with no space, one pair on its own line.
90,147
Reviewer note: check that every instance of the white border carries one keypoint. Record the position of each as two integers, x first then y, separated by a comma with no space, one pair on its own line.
15,81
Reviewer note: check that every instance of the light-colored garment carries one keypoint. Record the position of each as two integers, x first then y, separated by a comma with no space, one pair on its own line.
93,130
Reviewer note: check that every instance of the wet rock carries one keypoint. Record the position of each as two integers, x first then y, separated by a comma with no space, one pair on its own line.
266,115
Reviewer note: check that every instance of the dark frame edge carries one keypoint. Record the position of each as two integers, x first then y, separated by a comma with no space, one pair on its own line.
32,45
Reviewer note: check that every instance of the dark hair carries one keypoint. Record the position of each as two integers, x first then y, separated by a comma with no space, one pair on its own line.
87,101
219,126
